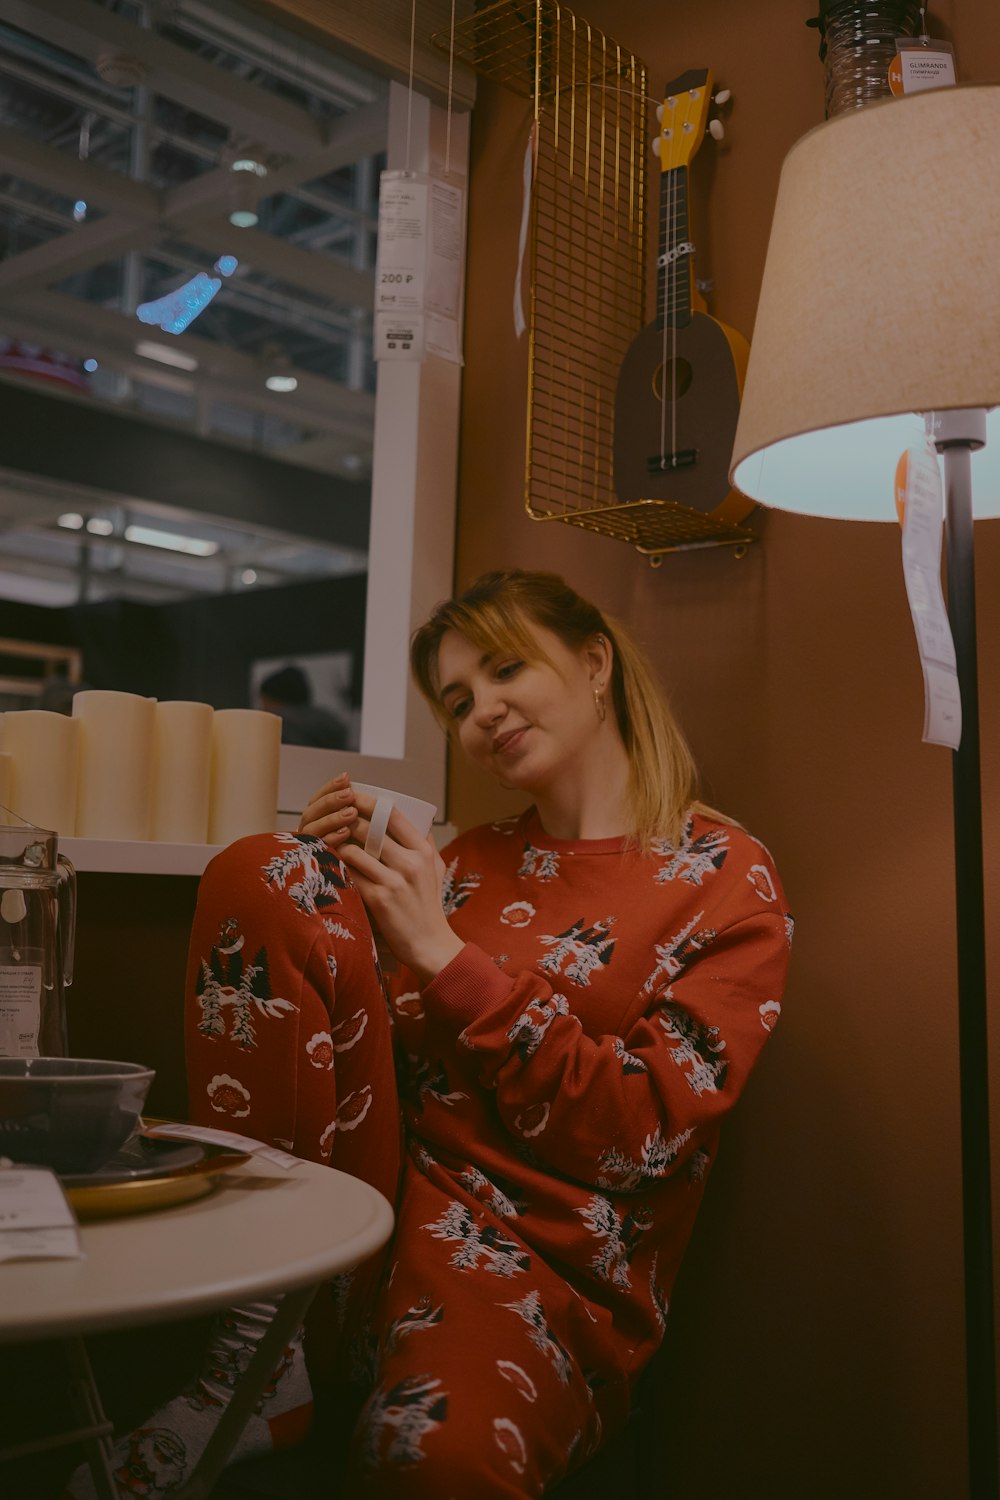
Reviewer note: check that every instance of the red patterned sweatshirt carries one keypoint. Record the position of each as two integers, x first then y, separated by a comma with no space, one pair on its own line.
567,1073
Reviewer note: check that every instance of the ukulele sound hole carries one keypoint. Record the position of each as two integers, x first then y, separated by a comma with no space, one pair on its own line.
678,380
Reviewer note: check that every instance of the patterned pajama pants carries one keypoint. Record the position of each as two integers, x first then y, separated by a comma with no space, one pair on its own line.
475,1383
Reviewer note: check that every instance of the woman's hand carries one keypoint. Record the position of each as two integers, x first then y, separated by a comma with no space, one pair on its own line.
331,813
401,889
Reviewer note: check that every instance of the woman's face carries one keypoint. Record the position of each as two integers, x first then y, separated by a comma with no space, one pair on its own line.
526,722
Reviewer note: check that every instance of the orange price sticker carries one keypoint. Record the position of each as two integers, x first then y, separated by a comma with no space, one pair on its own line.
896,76
899,488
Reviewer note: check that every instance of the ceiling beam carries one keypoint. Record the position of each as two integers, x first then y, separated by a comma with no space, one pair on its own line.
138,214
355,136
88,30
88,331
379,33
322,275
89,245
63,172
362,133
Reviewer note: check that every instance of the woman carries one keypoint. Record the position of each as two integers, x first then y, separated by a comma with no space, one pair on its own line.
571,1024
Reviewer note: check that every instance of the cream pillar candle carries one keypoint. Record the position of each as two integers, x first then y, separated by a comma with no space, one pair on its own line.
182,759
246,750
43,756
116,764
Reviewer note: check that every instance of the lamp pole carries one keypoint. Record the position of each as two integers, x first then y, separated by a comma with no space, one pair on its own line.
956,434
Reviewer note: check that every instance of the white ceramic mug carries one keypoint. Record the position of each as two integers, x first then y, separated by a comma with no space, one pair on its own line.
418,812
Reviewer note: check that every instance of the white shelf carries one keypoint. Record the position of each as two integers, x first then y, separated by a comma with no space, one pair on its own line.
137,856
144,857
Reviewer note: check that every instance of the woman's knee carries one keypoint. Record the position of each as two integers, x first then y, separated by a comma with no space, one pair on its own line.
281,878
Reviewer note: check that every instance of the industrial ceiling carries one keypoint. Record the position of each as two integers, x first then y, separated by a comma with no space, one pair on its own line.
188,205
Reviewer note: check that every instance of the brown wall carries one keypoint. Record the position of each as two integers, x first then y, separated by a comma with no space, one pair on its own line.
816,1341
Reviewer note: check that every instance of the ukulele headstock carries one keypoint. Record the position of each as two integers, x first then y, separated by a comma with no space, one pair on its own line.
683,116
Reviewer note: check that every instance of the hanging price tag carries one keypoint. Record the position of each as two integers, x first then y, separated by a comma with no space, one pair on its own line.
920,506
921,63
418,275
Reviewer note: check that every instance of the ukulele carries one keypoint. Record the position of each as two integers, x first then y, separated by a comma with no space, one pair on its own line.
680,384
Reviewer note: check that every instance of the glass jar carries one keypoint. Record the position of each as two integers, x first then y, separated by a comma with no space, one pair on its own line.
859,43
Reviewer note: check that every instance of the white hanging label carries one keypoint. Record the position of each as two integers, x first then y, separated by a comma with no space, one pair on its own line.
20,1009
920,501
418,275
919,65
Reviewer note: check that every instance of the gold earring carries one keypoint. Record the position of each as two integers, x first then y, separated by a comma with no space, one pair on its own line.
600,705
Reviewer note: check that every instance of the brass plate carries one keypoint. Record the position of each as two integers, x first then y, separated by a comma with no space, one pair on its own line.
144,1194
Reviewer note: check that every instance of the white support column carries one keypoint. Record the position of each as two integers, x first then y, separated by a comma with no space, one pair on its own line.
412,538
411,549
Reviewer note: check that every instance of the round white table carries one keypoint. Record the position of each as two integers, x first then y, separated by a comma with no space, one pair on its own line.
263,1232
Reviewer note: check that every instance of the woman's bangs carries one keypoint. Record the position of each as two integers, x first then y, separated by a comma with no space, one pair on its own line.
495,631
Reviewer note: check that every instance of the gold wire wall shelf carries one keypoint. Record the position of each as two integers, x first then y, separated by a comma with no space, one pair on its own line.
587,247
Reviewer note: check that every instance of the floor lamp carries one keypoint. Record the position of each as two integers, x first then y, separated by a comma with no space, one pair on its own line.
880,306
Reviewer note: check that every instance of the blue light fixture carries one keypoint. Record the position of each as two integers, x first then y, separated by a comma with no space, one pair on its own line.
178,309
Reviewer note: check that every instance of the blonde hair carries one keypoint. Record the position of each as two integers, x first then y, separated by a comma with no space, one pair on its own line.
494,615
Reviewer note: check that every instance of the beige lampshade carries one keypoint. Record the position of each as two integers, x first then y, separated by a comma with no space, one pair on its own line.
880,301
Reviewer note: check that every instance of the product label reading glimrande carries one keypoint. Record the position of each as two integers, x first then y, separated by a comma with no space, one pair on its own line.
20,1009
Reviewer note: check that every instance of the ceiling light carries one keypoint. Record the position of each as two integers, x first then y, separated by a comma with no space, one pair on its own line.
79,211
100,526
281,382
166,356
71,521
90,365
121,69
244,189
149,536
246,175
248,576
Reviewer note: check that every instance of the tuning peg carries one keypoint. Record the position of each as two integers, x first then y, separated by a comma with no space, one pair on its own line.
659,114
656,145
722,97
716,129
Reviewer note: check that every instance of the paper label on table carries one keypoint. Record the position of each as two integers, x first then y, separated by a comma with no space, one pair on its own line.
228,1138
36,1220
20,1009
418,274
923,523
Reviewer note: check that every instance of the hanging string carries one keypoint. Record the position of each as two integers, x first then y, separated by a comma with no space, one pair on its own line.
451,75
409,85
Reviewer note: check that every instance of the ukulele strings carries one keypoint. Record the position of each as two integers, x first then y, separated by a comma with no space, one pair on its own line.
665,210
669,236
675,264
